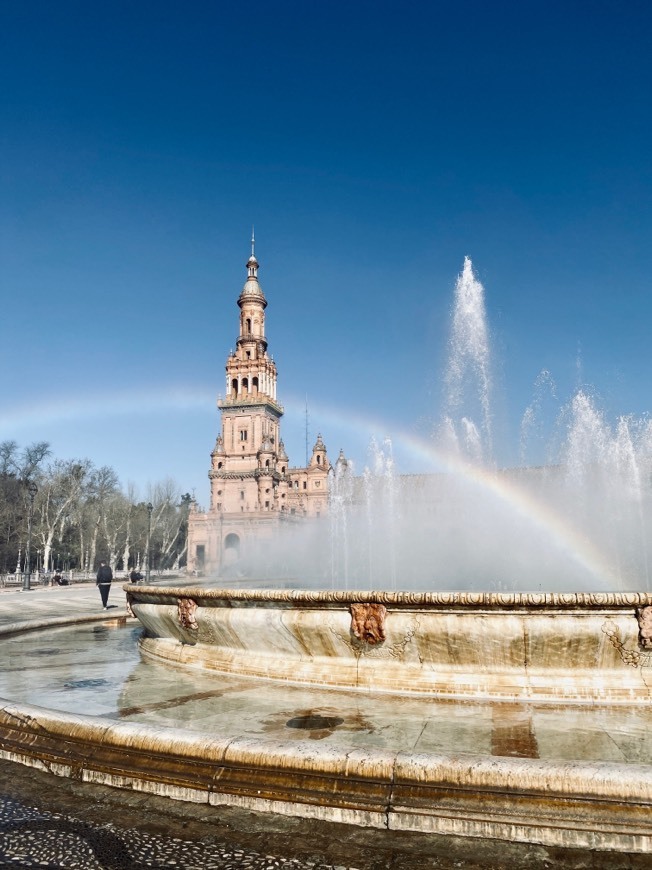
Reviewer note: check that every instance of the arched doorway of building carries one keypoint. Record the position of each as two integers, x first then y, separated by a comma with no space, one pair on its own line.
231,549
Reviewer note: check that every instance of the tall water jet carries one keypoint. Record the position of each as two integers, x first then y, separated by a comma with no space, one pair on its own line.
468,373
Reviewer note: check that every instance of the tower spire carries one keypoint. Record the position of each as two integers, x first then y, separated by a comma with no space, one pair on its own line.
252,264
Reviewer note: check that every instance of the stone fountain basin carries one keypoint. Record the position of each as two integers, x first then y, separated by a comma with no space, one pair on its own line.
558,647
596,804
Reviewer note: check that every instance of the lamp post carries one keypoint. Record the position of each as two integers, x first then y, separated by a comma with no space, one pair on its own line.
32,489
150,508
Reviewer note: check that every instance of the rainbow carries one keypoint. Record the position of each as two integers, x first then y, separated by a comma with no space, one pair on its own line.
62,409
56,410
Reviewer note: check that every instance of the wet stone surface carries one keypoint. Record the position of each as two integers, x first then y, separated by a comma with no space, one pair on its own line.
97,669
314,722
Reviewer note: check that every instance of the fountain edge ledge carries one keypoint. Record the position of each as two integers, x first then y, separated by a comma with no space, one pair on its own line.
462,598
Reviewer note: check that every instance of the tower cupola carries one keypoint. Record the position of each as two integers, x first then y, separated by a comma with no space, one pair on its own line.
319,458
342,462
252,289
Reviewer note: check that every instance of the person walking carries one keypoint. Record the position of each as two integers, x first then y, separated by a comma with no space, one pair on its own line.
104,579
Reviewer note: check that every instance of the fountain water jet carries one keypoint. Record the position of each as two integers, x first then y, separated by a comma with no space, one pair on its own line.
468,373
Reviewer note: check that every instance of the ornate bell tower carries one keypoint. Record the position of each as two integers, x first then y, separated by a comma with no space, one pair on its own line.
252,487
250,412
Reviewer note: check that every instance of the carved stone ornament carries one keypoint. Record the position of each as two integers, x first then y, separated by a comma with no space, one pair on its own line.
368,622
644,616
187,608
633,657
629,656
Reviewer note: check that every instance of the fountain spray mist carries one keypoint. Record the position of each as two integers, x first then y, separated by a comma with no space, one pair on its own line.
580,520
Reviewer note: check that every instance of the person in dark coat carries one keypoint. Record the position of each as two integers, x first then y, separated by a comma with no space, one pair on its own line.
104,579
135,576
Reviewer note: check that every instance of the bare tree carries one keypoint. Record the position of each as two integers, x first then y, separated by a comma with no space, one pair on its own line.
166,519
81,510
103,486
131,504
17,467
60,487
115,517
8,457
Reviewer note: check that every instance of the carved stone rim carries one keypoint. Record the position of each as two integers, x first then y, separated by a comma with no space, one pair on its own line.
462,599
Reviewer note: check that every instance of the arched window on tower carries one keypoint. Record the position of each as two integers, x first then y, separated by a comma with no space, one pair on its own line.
245,385
254,386
234,388
248,326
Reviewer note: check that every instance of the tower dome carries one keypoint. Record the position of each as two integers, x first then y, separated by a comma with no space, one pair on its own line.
252,289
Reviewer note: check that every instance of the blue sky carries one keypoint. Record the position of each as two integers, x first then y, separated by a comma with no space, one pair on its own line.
373,146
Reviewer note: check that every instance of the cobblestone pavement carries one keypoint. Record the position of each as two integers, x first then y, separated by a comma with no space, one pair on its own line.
52,822
33,838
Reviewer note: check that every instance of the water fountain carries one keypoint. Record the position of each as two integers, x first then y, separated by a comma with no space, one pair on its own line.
546,618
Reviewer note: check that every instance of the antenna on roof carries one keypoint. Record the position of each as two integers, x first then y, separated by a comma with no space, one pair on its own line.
307,430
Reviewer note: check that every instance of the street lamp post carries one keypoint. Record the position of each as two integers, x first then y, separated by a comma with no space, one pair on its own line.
150,508
32,489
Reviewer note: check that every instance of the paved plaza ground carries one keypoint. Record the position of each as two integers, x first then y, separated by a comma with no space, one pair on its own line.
53,822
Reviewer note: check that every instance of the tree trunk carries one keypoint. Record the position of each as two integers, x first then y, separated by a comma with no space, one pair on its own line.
125,552
93,548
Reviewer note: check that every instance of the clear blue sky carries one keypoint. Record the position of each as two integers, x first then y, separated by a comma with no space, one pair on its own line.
373,145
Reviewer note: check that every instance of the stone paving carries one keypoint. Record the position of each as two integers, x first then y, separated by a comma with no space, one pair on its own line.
31,837
49,602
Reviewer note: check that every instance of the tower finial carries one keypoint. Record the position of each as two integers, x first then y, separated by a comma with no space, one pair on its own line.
253,241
